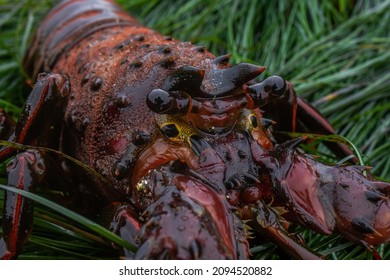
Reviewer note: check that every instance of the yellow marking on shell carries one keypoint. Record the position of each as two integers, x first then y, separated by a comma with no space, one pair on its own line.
143,186
244,121
139,186
258,133
184,128
250,121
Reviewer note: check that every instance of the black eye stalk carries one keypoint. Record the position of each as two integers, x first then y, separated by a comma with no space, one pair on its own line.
171,103
174,96
170,130
187,88
273,87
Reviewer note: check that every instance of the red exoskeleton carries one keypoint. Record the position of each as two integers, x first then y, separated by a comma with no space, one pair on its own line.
183,142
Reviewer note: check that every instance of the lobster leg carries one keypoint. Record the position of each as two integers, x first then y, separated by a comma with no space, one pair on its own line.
25,172
120,218
292,114
328,199
186,219
34,126
268,221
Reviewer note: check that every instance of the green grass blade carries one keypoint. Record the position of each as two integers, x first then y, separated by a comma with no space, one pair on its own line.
75,217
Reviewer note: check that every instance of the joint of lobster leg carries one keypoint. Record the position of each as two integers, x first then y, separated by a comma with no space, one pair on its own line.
122,219
48,96
269,220
45,102
7,125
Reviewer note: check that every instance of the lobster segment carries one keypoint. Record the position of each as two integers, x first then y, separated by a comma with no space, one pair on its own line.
25,172
69,23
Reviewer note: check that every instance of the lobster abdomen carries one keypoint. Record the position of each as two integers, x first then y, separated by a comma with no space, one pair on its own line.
66,25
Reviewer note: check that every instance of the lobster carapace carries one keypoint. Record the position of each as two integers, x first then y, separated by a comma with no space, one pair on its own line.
183,142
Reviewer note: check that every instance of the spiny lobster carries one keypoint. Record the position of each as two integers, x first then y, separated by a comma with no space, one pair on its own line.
183,141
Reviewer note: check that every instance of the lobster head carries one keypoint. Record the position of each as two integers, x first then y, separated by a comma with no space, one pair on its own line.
217,114
210,121
212,101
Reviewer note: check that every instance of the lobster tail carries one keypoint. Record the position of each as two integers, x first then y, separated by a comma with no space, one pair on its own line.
68,24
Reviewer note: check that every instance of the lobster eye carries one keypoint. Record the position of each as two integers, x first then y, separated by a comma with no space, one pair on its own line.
170,130
159,101
276,85
176,103
253,121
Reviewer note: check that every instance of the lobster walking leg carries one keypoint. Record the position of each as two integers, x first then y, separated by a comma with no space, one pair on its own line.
328,198
25,172
34,126
120,218
267,220
293,114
